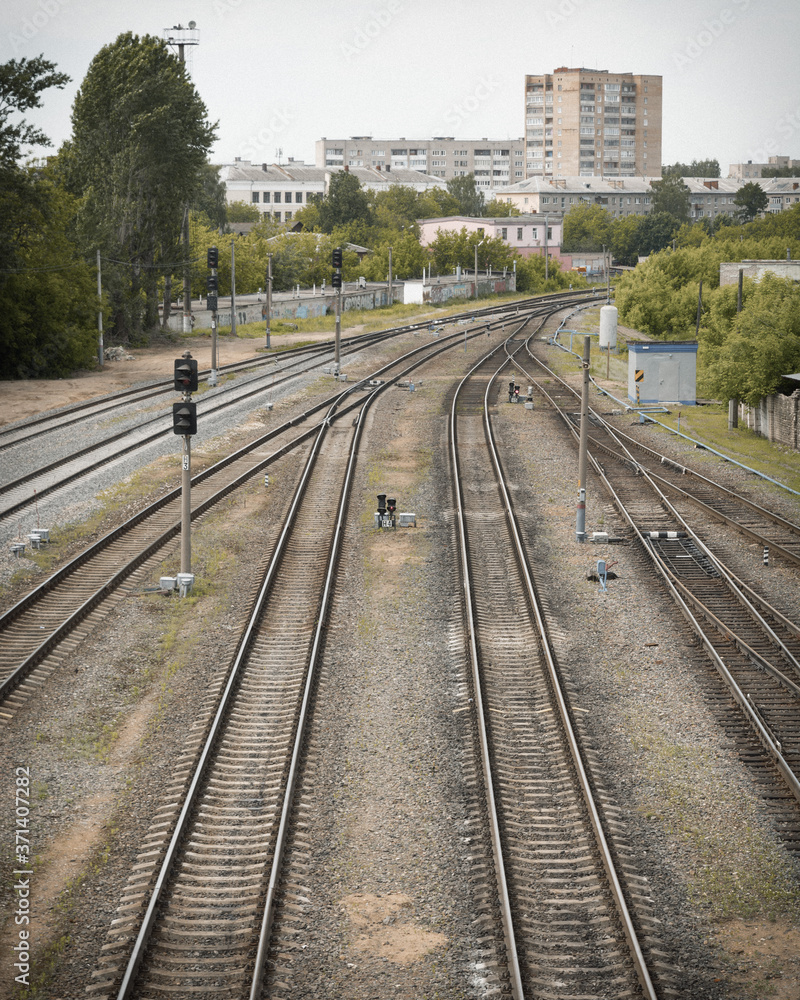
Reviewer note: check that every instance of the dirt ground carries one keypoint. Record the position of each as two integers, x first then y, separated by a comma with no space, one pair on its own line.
22,399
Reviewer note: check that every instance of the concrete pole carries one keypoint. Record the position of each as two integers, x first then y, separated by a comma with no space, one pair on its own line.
546,255
580,520
391,300
336,354
186,504
269,296
187,275
233,289
100,349
476,274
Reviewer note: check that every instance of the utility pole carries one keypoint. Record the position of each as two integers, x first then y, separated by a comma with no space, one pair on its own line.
390,277
178,38
269,295
100,350
233,289
580,519
337,284
546,253
211,301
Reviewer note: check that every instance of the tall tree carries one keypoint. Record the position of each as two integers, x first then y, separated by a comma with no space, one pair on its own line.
345,203
750,199
465,191
587,228
140,140
671,195
47,299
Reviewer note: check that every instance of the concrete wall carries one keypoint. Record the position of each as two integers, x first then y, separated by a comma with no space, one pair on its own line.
440,290
776,418
729,272
286,306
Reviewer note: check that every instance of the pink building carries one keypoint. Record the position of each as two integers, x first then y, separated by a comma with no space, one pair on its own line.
525,233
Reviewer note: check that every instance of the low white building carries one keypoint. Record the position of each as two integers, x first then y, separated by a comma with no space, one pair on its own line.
279,189
620,197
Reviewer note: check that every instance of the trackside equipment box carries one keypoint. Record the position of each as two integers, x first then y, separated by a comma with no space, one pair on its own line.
662,372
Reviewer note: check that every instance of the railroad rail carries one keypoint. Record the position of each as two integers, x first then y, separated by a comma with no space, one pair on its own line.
565,909
212,890
754,648
79,590
28,489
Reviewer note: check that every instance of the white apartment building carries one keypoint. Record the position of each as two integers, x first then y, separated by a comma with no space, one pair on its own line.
496,163
278,190
709,197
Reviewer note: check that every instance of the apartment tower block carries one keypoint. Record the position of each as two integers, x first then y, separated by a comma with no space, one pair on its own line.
589,122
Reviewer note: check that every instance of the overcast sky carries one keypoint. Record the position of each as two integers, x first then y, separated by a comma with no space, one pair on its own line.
282,75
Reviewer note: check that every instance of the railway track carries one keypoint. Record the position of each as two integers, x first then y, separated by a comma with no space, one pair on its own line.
198,912
754,648
90,419
573,922
66,605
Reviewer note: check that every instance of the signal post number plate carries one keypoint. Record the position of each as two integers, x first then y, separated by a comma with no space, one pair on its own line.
186,463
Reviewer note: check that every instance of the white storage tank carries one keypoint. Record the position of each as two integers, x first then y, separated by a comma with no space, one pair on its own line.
608,326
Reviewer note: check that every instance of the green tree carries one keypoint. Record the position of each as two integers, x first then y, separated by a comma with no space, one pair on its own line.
465,191
497,209
140,140
750,199
762,347
48,299
671,195
210,197
22,83
587,228
779,171
697,168
242,211
531,277
345,203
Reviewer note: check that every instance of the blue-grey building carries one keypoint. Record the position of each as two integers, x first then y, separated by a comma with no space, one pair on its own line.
662,372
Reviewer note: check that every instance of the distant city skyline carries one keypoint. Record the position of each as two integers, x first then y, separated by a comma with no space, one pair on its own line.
279,78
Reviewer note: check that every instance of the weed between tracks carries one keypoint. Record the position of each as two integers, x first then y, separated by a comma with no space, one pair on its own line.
737,869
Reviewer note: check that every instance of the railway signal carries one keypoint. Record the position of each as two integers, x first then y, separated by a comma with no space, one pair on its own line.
184,423
213,258
337,257
184,418
185,376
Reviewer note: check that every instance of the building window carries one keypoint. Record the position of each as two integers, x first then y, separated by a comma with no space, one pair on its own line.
288,216
504,234
276,198
255,197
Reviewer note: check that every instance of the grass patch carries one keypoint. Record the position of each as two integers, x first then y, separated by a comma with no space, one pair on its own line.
738,869
708,424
